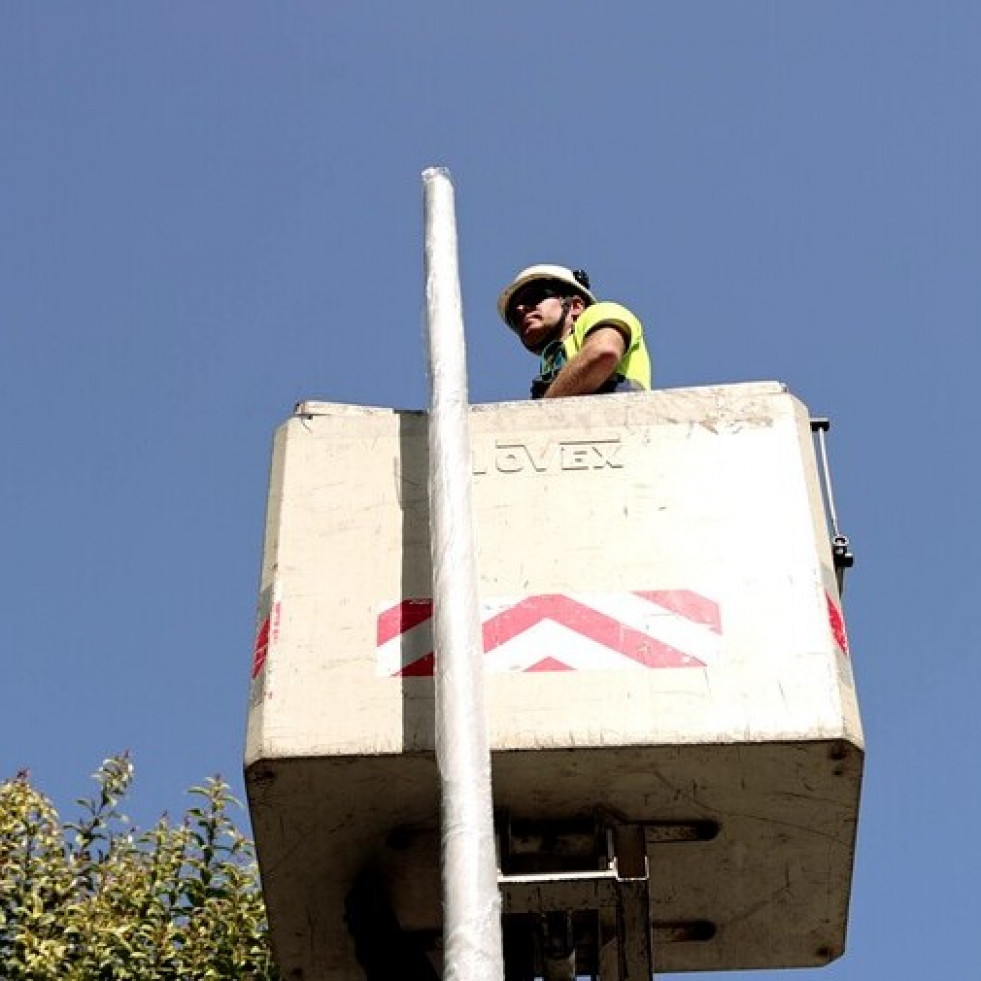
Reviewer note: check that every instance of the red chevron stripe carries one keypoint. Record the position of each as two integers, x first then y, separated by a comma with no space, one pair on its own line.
549,664
397,620
590,623
837,622
690,605
423,667
261,648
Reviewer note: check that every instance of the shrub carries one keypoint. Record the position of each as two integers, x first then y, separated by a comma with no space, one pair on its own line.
95,900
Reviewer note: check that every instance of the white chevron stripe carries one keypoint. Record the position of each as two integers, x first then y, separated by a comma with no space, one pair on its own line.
695,639
551,639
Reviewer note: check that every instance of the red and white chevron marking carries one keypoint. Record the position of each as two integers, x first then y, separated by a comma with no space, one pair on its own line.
837,622
557,632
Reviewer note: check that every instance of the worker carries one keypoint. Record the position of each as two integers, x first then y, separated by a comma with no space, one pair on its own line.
585,346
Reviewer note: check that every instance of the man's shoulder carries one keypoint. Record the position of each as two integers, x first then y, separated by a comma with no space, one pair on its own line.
608,312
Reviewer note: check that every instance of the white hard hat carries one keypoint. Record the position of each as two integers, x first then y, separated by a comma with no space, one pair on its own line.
549,273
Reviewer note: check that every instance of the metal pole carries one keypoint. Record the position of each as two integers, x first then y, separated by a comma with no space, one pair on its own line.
471,901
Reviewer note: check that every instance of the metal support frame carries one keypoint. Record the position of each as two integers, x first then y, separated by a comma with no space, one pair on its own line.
600,868
628,899
596,872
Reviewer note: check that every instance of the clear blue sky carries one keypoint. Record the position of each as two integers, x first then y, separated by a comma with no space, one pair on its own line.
210,211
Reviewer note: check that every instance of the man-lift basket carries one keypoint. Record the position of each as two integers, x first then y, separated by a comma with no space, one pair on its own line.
670,693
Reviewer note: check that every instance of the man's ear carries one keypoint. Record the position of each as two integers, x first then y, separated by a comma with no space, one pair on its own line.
577,305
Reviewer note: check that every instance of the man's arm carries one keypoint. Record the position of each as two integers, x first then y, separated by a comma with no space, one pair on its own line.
592,366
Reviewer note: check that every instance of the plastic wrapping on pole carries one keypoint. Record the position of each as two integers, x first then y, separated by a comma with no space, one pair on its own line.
471,901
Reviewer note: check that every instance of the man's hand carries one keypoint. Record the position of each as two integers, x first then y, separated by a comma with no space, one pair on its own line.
592,366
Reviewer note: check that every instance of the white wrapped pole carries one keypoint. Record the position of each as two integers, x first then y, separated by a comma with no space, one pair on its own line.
471,901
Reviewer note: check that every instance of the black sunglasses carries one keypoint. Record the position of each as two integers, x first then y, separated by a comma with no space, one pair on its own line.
530,296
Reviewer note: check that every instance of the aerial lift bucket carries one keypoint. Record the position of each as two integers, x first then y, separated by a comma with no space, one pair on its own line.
671,707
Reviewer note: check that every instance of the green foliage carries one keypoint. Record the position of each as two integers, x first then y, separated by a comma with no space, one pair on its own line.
94,900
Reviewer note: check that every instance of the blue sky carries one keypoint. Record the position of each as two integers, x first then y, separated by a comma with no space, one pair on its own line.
210,211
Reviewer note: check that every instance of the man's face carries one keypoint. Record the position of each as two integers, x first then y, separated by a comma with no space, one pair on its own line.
534,314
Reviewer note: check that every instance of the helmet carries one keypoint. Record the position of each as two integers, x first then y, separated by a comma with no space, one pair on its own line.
576,279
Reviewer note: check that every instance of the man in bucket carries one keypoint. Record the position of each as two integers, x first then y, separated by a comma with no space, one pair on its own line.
585,346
